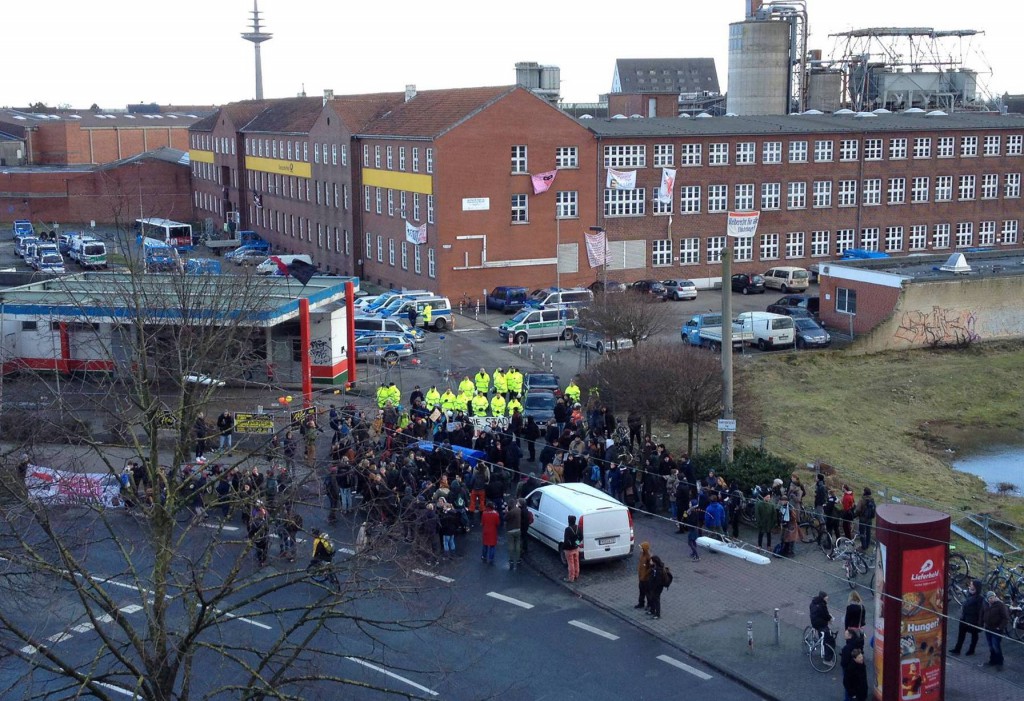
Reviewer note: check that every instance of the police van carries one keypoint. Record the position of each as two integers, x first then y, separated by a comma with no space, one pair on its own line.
539,324
558,297
440,312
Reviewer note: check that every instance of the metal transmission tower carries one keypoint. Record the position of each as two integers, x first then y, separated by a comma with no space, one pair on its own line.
257,37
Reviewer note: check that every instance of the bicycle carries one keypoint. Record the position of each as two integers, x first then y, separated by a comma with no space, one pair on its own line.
1017,623
854,564
958,575
1007,582
820,653
323,573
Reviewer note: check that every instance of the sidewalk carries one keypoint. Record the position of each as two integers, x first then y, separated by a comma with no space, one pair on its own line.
705,613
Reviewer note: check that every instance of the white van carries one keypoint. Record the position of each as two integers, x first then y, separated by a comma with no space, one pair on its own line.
787,278
269,267
555,297
770,330
604,523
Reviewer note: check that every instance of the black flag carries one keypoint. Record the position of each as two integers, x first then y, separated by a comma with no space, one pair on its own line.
302,271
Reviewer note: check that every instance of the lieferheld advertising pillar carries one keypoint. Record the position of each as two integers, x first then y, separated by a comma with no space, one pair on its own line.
910,606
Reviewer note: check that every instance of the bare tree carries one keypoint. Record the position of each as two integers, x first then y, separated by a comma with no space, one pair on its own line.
629,315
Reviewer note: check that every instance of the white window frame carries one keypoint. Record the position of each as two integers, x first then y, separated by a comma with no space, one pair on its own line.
872,149
771,152
771,196
941,236
897,192
690,199
796,195
797,151
871,192
1014,144
718,198
845,240
989,186
715,246
391,252
920,188
520,204
743,197
1011,229
918,238
823,150
625,203
376,156
417,263
718,154
567,204
987,233
567,157
822,194
390,156
519,159
769,248
369,246
869,236
991,146
746,153
1011,186
401,163
922,147
893,238
898,148
964,234
820,241
847,193
625,156
689,251
968,146
967,187
405,254
664,155
380,248
431,263
690,154
849,150
429,157
943,188
795,244
743,249
661,253
945,147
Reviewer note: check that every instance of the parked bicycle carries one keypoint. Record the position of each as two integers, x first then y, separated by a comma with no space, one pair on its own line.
1007,582
854,562
958,575
820,652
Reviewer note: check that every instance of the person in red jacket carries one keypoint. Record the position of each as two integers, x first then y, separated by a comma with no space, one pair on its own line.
489,523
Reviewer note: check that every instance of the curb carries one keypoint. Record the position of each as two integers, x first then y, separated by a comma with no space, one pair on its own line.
639,625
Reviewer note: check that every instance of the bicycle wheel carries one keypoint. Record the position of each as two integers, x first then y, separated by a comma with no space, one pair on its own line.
859,563
809,533
1017,627
1002,586
823,657
957,593
957,569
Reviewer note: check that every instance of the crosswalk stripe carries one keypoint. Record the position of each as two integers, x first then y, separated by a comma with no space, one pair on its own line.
685,667
509,600
591,629
438,577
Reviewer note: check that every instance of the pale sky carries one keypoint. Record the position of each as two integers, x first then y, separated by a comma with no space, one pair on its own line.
113,52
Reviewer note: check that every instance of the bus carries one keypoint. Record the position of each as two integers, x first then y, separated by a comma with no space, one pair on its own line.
170,232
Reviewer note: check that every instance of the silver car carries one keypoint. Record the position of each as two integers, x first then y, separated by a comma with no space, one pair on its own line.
679,289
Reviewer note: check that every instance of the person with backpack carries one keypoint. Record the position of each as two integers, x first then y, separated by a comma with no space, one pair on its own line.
643,574
865,516
660,578
848,504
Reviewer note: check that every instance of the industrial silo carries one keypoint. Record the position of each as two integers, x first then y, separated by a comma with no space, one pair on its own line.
824,90
759,67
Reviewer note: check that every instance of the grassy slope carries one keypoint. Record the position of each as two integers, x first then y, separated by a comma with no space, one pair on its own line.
883,420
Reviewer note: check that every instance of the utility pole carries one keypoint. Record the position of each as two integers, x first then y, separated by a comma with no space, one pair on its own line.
728,437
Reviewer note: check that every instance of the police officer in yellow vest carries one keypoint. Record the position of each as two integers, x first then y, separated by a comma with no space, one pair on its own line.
428,313
500,383
483,381
480,404
448,400
466,386
514,382
432,397
394,394
497,405
572,392
513,404
464,402
382,396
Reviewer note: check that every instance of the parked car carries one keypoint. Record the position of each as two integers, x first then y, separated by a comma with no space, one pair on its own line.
679,289
248,256
808,302
652,287
795,312
539,381
809,334
540,404
787,278
361,303
599,286
506,298
748,284
23,242
386,346
599,340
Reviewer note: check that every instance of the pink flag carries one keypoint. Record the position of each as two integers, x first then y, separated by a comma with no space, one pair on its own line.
543,181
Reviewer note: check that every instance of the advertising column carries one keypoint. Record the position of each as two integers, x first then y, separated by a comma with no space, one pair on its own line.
910,607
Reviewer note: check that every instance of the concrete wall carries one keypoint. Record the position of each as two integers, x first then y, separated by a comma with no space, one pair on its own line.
950,312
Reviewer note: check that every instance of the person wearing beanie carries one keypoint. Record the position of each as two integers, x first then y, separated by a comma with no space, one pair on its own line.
996,617
970,618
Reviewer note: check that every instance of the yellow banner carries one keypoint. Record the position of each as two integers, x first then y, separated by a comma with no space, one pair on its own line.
410,182
253,423
273,165
200,156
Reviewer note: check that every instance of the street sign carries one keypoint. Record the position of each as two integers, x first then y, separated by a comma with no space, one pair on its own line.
253,423
727,425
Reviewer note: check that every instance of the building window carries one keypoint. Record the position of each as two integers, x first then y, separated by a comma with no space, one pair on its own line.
897,190
945,146
402,197
334,154
319,192
689,251
919,189
872,149
797,151
872,192
664,155
659,208
431,264
743,249
968,146
796,195
348,243
519,160
964,234
991,147
624,203
417,265
718,198
847,193
922,147
1014,144
690,155
380,200
846,301
380,249
430,160
989,186
567,157
819,243
822,193
416,206
986,233
918,237
344,196
771,196
715,246
405,255
661,252
369,246
520,209
634,156
391,202
769,246
1011,185
898,149
795,244
1009,235
718,154
401,166
430,209
823,151
894,238
943,188
325,154
391,252
366,197
689,199
415,159
771,152
567,204
844,240
869,238
743,197
966,187
376,156
746,153
848,149
941,236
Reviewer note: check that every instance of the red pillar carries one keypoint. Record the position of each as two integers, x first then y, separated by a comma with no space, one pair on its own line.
910,608
350,331
307,378
64,363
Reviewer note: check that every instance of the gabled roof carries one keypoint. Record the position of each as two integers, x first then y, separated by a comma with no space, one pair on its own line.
673,75
358,111
293,115
240,114
431,113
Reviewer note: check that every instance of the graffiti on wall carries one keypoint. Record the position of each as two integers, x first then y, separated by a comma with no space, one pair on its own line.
320,351
941,327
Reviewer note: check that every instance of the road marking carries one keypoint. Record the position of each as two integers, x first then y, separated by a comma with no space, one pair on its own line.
115,583
685,667
509,600
243,619
591,629
219,527
30,649
392,675
438,577
347,551
130,608
105,618
60,637
83,628
118,689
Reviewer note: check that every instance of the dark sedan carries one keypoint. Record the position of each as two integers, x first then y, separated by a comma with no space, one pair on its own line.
610,286
808,302
809,334
652,287
541,406
748,284
795,312
542,381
